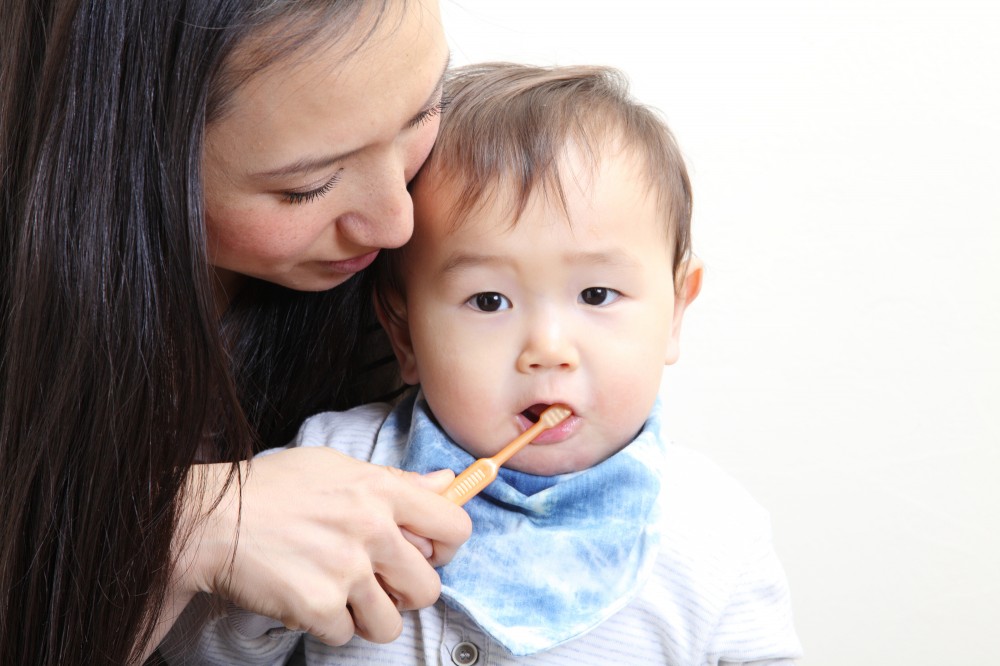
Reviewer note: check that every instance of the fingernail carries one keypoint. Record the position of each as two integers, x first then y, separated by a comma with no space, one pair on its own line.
438,473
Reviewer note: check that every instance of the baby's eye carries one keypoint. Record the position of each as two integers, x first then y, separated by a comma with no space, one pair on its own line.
599,296
489,301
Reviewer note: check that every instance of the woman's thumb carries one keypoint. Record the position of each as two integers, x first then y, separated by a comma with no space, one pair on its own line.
434,481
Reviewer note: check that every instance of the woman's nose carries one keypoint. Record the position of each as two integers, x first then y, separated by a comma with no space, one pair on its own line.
548,346
384,216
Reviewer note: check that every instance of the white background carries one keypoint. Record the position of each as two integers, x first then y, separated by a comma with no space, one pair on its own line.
842,361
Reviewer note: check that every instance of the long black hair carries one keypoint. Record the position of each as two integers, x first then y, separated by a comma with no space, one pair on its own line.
115,373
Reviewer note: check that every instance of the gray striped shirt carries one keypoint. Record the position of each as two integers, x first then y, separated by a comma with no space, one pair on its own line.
717,596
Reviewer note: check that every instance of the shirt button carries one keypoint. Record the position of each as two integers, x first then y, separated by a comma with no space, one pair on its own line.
465,654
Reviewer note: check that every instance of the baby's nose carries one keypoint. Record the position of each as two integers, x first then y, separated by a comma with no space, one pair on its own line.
548,346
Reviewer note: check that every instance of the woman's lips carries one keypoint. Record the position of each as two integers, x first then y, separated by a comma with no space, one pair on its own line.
351,266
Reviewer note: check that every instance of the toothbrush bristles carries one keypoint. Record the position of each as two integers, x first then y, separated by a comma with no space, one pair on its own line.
554,415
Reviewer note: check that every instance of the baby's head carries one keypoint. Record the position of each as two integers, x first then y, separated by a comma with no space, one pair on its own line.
550,262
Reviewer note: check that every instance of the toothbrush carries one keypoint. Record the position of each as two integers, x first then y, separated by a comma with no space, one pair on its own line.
481,473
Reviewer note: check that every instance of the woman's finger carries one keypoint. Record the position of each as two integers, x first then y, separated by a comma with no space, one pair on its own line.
423,545
406,574
335,629
431,516
319,531
376,617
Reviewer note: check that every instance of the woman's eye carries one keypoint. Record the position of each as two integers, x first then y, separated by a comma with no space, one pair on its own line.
489,301
599,296
311,195
428,114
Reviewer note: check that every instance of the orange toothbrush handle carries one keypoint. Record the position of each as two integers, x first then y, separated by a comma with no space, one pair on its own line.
472,480
482,472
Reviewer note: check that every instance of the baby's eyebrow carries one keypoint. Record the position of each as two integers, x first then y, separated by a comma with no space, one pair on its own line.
616,257
464,260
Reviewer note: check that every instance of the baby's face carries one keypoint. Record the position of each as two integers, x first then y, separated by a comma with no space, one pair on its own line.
504,321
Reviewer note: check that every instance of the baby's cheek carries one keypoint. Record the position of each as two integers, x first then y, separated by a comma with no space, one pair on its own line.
628,406
464,413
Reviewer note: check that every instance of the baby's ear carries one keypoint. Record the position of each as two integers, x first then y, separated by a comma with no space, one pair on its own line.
391,311
689,289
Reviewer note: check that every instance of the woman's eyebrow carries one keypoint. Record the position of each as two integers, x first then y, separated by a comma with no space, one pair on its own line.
304,166
310,165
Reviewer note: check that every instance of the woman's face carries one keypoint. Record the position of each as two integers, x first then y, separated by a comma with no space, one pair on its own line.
305,174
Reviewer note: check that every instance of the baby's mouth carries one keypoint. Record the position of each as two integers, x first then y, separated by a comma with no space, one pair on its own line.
534,412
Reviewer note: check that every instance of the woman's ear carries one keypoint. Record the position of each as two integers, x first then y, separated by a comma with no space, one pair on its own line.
689,289
391,312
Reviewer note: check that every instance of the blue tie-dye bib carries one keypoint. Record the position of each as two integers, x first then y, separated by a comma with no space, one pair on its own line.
550,557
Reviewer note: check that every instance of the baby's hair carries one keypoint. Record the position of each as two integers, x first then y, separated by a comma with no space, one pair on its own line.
506,128
509,124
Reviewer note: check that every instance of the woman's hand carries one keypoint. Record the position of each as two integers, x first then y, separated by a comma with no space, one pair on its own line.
320,544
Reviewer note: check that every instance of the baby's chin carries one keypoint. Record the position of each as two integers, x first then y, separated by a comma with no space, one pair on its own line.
555,459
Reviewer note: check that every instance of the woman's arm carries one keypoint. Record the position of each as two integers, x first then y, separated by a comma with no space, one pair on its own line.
320,546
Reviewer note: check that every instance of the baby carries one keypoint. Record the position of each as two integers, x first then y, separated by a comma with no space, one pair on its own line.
550,263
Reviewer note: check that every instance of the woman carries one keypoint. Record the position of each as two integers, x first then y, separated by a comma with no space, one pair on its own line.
190,189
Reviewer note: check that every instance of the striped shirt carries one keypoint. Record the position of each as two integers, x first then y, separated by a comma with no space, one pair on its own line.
717,595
